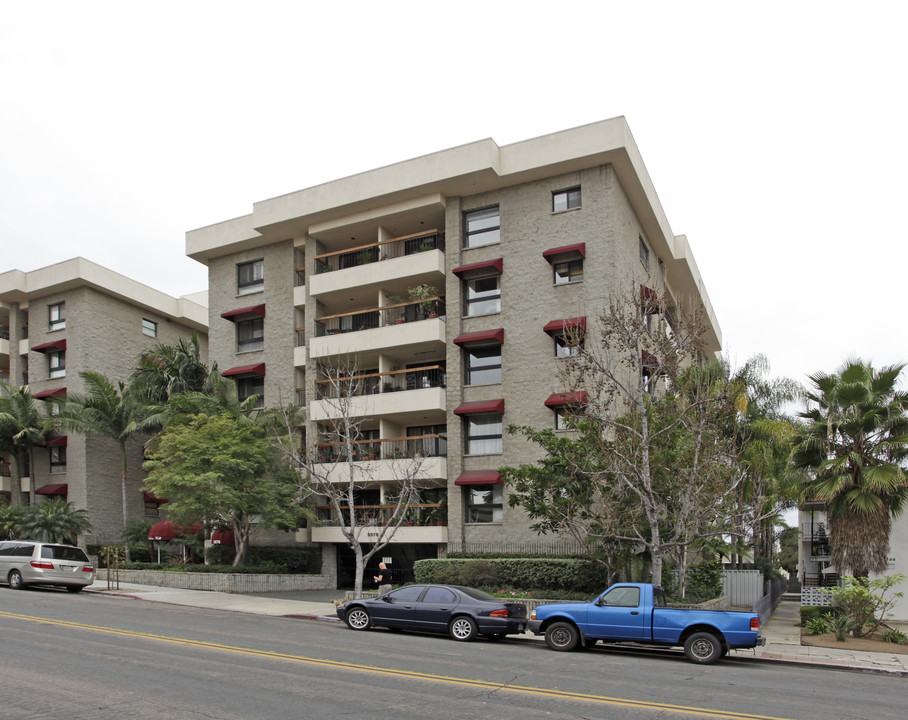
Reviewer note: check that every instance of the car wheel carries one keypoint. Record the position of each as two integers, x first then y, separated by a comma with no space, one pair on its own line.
462,628
703,648
562,636
358,619
15,580
74,588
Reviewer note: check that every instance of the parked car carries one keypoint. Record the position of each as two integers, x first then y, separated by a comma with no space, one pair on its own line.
23,562
461,612
637,612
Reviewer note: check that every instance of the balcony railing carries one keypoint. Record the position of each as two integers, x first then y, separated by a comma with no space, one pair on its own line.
299,277
5,470
417,514
300,337
4,332
430,376
407,448
375,252
301,396
371,318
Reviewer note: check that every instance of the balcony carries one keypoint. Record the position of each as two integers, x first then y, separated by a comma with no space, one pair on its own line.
424,523
414,390
386,460
390,262
299,348
408,324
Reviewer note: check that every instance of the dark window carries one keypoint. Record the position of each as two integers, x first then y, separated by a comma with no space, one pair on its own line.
484,503
250,334
62,552
428,440
563,418
483,295
149,327
56,364
568,344
483,434
568,272
483,364
566,199
439,595
482,227
410,593
250,277
57,459
644,252
56,316
251,385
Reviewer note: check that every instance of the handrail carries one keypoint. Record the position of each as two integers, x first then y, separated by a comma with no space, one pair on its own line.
381,374
425,233
320,320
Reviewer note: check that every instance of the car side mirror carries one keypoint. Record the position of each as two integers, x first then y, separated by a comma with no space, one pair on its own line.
387,599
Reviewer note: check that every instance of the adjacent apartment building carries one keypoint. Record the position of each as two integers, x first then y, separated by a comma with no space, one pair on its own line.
454,284
57,322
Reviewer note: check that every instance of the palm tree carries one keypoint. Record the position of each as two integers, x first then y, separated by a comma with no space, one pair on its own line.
168,370
109,411
21,429
57,521
854,445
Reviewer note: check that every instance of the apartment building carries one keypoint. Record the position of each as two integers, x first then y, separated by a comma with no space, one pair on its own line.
58,321
453,284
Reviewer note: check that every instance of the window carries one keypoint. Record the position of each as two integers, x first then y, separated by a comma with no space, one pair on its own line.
621,597
568,345
439,595
483,365
56,364
564,416
57,459
644,252
152,509
568,272
483,296
149,327
482,227
484,503
566,199
483,434
56,316
251,385
250,277
250,334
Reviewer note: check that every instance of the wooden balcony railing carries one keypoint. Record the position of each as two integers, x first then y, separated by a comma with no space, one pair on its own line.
417,514
371,318
430,376
385,449
377,251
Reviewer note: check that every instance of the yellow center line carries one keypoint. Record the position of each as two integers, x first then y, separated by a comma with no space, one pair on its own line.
410,674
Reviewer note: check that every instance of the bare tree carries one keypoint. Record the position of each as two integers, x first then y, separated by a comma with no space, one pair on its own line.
335,468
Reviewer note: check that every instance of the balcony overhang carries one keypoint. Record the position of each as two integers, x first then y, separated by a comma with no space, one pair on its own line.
481,407
234,315
483,337
256,369
50,346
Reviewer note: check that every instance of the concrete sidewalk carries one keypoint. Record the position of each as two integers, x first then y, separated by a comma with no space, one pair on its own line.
782,632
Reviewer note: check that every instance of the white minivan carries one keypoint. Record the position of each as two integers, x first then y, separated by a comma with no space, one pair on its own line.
23,562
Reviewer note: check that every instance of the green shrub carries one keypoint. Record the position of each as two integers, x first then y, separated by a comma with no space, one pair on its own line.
704,581
891,635
817,625
537,574
809,612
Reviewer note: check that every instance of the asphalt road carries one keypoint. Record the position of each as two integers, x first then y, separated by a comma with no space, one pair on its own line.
90,656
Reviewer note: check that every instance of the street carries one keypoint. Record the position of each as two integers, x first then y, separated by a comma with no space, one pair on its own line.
90,656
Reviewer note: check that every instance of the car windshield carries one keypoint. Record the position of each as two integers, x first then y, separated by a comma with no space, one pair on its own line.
63,552
477,594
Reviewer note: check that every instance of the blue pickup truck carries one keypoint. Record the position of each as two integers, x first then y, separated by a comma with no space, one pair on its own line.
637,613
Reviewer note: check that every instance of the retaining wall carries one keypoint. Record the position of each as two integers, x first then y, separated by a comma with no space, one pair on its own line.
223,582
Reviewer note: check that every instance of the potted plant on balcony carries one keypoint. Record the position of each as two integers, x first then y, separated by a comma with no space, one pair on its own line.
426,296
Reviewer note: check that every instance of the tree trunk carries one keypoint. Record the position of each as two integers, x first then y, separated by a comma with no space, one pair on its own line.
123,495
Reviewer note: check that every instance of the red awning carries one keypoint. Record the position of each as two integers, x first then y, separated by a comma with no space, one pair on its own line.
59,441
167,531
488,265
578,249
55,345
258,369
557,327
480,407
59,489
151,497
489,337
479,477
222,537
568,398
49,393
232,315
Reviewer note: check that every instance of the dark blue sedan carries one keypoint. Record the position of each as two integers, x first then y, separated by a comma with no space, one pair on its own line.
461,612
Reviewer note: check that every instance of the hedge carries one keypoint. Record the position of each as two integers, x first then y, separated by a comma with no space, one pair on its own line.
296,560
539,574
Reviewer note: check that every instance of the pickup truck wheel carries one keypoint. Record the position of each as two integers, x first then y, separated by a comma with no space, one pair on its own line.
703,648
562,636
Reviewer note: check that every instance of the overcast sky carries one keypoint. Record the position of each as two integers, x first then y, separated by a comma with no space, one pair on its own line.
775,133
